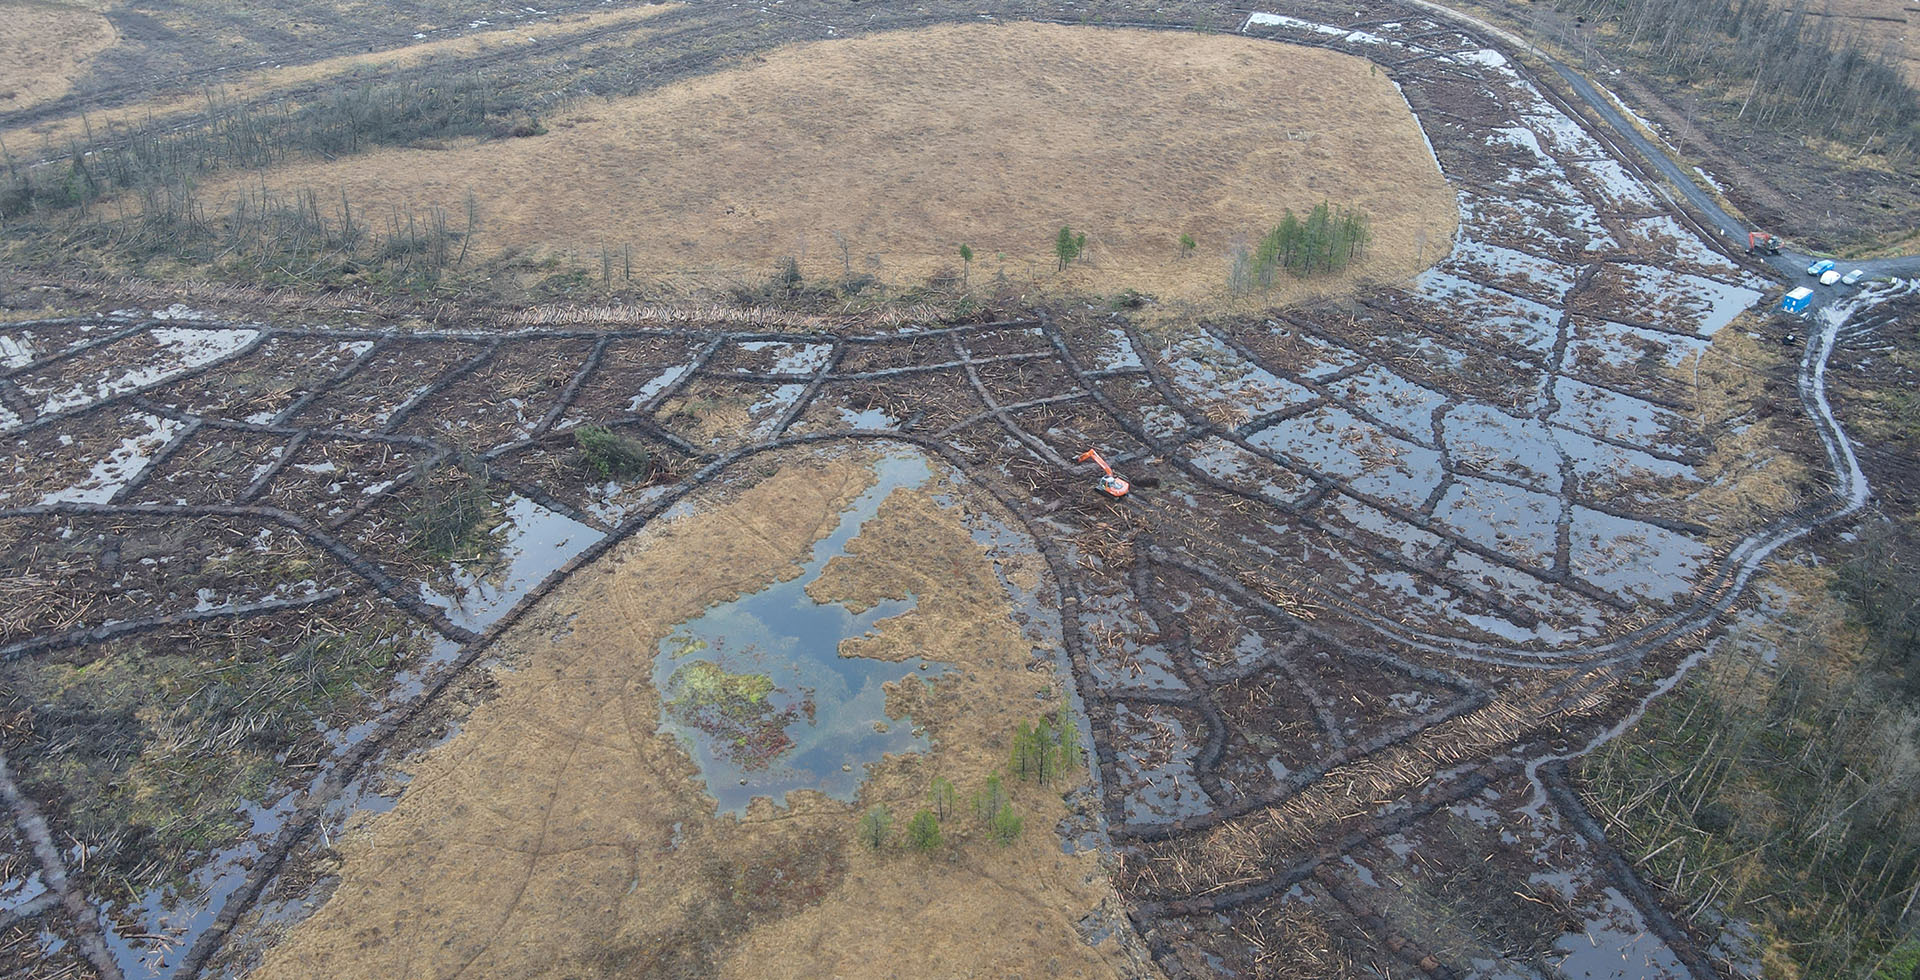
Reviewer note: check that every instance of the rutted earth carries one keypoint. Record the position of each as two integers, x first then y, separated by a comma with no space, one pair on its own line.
1387,558
458,879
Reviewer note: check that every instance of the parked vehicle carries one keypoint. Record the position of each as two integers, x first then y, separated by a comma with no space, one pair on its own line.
1797,300
1819,267
1854,276
1829,277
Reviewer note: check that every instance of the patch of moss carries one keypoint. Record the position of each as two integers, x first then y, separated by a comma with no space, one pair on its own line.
453,516
152,750
737,711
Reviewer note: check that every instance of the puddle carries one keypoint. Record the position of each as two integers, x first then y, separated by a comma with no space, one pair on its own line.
1120,355
1214,376
536,542
1520,524
1493,442
1669,238
1619,345
1679,301
169,920
1335,443
756,690
1565,136
179,350
659,384
871,418
1632,558
1521,322
17,351
1236,467
792,358
17,893
1282,20
122,464
1608,414
1153,766
1404,407
613,502
1616,944
1622,190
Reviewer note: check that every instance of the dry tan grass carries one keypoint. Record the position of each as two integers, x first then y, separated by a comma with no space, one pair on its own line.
44,47
266,81
1748,478
559,834
906,145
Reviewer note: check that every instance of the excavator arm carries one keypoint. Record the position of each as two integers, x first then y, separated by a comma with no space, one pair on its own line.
1111,485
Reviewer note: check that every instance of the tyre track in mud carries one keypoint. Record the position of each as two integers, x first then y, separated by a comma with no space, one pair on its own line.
1713,595
1063,569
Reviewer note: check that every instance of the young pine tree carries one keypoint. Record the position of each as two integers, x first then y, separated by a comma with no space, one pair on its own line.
991,798
875,824
942,797
1066,736
923,831
1005,825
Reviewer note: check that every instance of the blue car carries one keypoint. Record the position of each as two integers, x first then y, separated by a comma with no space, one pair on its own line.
1818,267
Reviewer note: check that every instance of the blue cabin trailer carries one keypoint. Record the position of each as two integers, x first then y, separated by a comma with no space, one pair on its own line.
1797,300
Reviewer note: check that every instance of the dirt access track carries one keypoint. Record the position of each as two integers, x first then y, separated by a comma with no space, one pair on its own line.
1391,562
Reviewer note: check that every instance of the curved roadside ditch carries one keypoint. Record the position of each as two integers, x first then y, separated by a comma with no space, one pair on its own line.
1722,588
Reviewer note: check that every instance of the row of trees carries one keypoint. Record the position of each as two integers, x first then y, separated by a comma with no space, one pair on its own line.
1782,65
236,136
296,238
1327,240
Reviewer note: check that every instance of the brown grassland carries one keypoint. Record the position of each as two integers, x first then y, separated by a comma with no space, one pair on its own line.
262,83
1893,23
882,155
44,46
559,834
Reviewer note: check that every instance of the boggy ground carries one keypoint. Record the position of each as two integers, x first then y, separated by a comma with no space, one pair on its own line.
1384,554
560,834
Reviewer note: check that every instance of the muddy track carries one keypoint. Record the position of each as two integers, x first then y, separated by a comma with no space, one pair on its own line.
1272,458
1099,704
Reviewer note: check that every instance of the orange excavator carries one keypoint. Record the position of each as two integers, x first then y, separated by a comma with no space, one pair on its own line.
1761,243
1111,485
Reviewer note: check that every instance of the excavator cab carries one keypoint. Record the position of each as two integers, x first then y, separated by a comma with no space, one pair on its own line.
1110,485
1761,243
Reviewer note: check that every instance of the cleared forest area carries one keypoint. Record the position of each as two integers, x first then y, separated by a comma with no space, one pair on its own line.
1806,122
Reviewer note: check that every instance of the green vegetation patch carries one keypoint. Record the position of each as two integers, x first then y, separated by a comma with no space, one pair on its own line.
1780,783
453,516
1326,241
738,711
151,748
613,456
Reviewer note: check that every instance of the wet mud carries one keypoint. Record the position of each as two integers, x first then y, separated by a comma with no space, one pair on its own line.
1385,552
